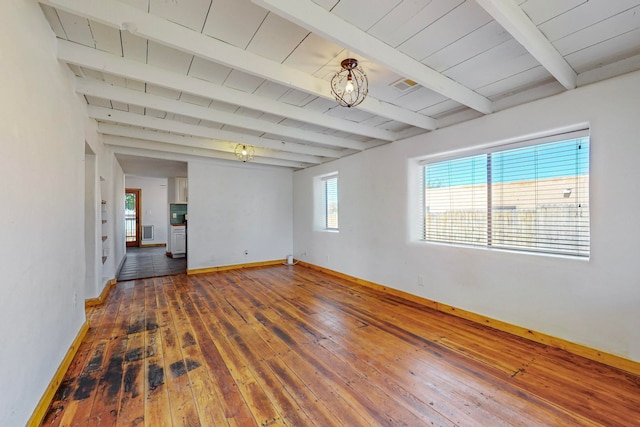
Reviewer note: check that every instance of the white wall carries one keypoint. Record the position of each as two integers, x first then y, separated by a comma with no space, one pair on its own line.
108,186
594,302
43,130
237,208
42,262
92,227
154,205
110,189
120,246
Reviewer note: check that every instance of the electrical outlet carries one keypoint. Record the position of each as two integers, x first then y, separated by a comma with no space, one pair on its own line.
420,280
75,299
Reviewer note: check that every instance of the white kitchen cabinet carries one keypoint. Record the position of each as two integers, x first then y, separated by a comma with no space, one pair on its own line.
178,190
178,241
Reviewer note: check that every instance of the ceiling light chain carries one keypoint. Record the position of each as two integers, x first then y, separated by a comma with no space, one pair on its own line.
244,152
350,85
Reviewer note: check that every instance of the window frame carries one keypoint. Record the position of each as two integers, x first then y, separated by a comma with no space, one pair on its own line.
327,214
489,206
320,202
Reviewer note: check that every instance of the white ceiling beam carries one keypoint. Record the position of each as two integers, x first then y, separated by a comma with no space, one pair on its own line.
122,16
100,89
626,65
134,132
141,146
315,18
513,19
108,115
83,56
196,142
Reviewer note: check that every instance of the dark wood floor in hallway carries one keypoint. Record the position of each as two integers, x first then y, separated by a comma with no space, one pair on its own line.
292,346
142,263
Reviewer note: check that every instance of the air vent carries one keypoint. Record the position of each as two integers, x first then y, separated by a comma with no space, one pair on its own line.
404,85
147,232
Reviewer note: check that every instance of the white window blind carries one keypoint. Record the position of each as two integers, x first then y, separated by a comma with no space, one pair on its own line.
530,197
331,202
456,201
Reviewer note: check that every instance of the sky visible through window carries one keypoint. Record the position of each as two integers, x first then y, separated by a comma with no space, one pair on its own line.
551,160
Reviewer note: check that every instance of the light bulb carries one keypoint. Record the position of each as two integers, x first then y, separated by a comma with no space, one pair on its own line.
244,152
349,87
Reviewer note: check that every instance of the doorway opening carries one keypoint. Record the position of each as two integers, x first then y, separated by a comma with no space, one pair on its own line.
132,217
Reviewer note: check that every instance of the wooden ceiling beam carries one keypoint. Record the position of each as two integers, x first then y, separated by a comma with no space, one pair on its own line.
318,20
108,115
513,19
143,148
87,57
135,132
123,16
97,88
196,142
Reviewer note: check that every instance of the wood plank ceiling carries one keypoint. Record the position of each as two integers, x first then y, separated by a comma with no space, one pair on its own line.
183,78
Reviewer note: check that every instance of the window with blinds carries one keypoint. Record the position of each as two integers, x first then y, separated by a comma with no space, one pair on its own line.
331,202
531,196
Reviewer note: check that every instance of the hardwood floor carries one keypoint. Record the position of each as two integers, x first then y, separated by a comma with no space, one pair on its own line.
292,346
142,263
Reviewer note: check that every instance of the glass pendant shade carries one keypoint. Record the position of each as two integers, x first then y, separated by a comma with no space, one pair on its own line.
244,152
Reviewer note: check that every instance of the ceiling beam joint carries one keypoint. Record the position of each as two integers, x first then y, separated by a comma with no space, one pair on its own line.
318,20
513,19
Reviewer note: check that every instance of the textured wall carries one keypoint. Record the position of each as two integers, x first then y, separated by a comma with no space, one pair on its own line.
592,302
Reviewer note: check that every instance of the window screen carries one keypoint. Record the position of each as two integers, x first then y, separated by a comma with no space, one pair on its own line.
531,197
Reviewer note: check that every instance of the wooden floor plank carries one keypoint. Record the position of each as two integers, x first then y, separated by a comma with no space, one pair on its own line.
131,410
394,414
105,408
67,386
182,402
157,411
234,405
79,403
363,399
228,327
256,353
285,345
204,389
452,393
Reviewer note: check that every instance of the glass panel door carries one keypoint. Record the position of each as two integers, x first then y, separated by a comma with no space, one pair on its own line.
131,218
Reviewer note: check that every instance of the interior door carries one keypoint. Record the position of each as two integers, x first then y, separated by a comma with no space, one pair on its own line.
131,216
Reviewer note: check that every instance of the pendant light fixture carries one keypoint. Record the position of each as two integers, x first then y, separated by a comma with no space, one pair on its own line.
244,152
349,85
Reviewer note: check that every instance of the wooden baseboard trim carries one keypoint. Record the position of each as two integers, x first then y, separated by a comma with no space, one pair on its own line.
43,405
92,302
609,359
152,245
235,266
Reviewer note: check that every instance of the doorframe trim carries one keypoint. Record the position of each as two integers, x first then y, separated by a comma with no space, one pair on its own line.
138,192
